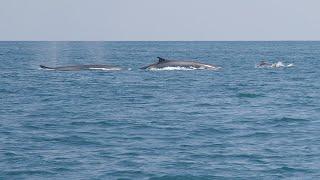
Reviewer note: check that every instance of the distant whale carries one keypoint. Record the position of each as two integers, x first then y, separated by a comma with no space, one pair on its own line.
279,64
166,63
264,64
83,67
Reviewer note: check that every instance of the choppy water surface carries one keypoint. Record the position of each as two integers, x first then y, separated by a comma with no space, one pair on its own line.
239,122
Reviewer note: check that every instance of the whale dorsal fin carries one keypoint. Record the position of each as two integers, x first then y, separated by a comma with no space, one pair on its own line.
161,59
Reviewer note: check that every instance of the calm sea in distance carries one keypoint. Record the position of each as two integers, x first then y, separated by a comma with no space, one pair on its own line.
240,122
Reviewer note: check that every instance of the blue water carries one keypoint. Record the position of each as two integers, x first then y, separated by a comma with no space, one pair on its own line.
240,122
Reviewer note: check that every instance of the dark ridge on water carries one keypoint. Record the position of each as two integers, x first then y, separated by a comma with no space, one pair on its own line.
248,95
240,122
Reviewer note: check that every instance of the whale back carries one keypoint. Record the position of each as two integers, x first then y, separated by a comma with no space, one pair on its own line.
163,63
82,67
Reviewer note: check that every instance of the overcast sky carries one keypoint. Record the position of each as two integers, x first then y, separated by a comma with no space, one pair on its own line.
112,20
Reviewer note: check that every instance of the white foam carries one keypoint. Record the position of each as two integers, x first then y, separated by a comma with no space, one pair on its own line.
276,65
172,69
184,68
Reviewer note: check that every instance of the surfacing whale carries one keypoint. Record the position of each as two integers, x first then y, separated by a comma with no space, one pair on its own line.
264,64
83,67
166,63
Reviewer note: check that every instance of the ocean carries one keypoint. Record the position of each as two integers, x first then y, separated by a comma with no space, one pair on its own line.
240,122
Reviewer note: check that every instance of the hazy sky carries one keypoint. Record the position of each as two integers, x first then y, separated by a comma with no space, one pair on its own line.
159,20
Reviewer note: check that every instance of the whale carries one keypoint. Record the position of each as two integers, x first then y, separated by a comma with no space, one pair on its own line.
279,64
83,67
166,63
264,64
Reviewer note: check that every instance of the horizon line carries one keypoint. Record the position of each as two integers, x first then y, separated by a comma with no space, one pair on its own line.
159,40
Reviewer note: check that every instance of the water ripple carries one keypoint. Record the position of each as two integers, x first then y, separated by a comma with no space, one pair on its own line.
240,122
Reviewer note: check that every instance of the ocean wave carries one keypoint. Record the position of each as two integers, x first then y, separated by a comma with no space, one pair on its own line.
248,95
183,177
204,105
96,123
27,172
257,135
75,140
287,169
288,119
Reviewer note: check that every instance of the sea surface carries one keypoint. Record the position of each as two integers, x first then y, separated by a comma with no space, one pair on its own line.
240,122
